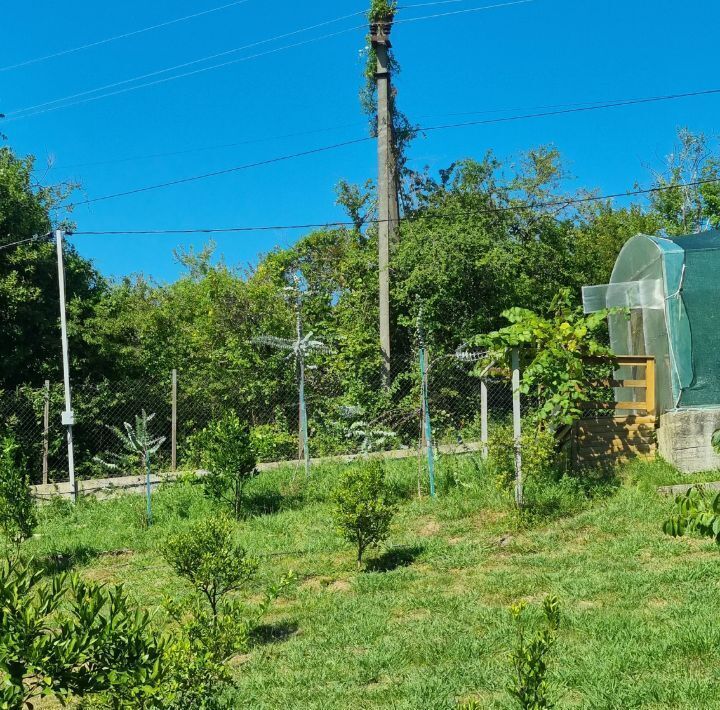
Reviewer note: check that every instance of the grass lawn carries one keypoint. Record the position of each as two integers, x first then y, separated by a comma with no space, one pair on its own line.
427,623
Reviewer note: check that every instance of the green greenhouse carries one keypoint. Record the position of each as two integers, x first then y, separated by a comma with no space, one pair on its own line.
669,293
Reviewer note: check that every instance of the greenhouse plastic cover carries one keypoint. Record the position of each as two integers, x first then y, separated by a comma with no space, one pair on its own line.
672,288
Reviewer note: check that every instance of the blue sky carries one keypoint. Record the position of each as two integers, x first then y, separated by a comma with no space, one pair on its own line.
505,59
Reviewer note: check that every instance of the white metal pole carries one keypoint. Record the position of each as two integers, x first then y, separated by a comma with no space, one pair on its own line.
484,417
517,430
68,418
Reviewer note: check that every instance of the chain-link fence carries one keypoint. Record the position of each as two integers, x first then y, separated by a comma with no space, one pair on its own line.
463,409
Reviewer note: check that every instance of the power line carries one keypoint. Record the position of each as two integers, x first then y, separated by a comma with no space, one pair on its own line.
125,35
48,106
237,168
564,203
221,146
24,241
420,129
542,111
581,109
461,12
32,110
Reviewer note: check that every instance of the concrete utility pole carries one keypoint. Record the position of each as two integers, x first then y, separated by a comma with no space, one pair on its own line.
68,417
388,208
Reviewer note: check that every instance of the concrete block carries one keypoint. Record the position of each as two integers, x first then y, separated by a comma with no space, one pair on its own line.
685,439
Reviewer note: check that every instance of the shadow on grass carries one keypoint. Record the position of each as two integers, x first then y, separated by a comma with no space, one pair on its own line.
66,560
394,558
273,633
269,502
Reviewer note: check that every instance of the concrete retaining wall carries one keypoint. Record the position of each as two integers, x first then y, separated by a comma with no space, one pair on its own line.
107,487
684,439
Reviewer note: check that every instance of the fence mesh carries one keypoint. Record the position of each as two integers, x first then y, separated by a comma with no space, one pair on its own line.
336,425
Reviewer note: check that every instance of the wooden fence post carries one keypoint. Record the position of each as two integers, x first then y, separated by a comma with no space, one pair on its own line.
46,432
174,421
517,427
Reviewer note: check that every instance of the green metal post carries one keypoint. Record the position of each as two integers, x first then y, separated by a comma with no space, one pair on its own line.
147,488
303,417
428,423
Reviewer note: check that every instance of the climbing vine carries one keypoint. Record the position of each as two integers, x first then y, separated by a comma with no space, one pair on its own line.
402,130
563,356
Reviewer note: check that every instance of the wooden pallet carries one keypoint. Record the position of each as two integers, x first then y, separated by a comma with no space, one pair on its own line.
629,433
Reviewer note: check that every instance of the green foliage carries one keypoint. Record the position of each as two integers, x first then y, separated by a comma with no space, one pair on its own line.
273,442
18,516
539,456
695,512
138,442
530,657
68,638
362,508
228,455
208,557
28,280
555,351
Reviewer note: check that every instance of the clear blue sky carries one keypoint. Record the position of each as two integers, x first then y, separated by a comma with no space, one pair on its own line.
542,53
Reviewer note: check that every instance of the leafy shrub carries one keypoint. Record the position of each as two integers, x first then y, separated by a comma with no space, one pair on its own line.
18,516
228,455
207,555
212,626
273,442
530,688
695,511
68,638
362,509
539,459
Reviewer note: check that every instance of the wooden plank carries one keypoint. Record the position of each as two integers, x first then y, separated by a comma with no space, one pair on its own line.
611,440
629,421
617,406
626,384
650,390
602,450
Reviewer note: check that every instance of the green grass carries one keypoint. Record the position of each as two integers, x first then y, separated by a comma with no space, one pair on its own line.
427,623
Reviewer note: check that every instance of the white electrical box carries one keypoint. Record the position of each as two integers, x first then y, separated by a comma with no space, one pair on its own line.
68,418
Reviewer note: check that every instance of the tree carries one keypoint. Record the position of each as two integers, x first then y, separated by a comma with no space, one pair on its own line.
689,200
17,508
362,508
228,454
209,558
29,308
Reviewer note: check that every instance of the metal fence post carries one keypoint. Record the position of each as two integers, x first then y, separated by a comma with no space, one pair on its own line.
428,423
46,433
173,430
517,427
68,417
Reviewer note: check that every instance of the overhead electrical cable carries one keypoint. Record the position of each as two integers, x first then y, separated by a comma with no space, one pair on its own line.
125,35
247,166
528,113
421,129
24,241
68,101
194,62
557,203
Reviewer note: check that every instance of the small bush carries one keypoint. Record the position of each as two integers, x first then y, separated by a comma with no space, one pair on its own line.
73,639
530,657
362,509
18,515
228,455
207,555
539,458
